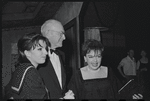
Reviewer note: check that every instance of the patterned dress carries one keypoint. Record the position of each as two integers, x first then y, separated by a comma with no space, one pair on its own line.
26,83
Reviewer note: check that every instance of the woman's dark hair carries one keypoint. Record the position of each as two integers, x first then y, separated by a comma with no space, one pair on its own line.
92,44
27,42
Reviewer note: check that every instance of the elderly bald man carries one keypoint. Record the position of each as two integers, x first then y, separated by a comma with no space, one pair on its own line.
53,72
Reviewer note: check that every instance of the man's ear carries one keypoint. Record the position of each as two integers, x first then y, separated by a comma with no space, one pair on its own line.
47,31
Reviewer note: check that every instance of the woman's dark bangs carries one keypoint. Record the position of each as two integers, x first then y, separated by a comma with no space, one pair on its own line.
35,42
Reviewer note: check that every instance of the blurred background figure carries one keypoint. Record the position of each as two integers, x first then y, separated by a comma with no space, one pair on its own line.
143,71
127,66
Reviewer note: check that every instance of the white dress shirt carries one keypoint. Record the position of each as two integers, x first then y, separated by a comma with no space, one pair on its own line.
57,66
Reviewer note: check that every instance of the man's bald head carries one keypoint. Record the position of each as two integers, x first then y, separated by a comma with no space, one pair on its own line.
50,25
53,30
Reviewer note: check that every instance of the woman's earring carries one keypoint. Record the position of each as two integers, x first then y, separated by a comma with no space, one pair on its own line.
85,59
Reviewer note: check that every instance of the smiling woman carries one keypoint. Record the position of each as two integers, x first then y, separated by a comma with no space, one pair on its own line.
93,81
26,82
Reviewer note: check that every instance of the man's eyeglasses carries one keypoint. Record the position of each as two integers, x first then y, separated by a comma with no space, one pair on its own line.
60,33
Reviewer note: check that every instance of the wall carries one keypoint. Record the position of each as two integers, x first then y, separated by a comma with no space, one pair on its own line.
68,11
10,36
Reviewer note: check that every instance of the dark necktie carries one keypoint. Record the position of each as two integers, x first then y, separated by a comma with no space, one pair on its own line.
55,51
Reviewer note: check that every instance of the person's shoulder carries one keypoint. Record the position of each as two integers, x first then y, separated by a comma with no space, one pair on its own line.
83,68
20,74
32,73
21,68
104,67
125,58
25,67
60,51
29,69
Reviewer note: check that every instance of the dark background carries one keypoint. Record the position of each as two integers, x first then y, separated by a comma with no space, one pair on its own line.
137,23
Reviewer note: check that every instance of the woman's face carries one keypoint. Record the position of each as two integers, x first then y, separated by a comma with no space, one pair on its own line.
38,55
93,59
143,53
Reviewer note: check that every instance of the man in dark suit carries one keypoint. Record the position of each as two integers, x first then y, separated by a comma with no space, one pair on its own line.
53,72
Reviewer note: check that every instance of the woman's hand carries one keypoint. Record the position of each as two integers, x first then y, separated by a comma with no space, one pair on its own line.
69,95
137,96
11,98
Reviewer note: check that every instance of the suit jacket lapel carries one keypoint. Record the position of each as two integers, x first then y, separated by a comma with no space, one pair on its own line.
53,74
63,75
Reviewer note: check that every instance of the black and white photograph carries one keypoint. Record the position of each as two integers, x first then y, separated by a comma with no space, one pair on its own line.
76,49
